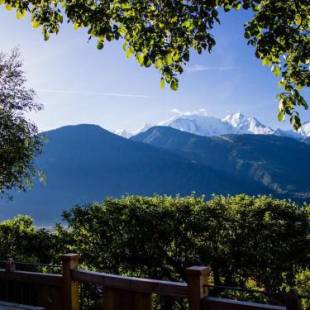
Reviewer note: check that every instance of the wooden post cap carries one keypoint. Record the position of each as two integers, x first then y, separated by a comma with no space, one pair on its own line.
70,256
197,270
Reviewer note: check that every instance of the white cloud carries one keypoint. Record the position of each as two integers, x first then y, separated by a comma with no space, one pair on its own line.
95,93
194,112
201,68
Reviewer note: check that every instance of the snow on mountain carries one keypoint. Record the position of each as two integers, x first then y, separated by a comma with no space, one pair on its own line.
288,134
247,125
305,129
124,133
202,125
128,134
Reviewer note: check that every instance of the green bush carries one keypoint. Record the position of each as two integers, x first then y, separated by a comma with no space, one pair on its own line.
21,240
239,237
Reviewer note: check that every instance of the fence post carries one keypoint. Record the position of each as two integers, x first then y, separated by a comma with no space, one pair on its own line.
71,289
10,265
197,279
293,301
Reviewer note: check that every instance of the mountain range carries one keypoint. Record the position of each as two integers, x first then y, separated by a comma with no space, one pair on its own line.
86,163
279,164
200,123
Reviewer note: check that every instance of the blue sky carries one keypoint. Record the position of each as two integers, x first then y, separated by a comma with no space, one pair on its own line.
79,84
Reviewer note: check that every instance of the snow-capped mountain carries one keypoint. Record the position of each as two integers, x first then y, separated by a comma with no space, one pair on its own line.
204,125
200,123
247,125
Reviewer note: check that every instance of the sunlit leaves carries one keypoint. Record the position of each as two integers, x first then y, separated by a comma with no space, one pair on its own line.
280,32
19,140
276,70
164,33
162,83
174,84
129,53
281,115
20,14
140,58
35,24
240,237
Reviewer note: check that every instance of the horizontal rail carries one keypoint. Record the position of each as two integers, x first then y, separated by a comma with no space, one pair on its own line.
215,303
166,288
9,305
45,279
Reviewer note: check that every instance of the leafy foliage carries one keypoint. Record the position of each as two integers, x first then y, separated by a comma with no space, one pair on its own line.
21,240
240,237
303,284
19,141
162,33
248,241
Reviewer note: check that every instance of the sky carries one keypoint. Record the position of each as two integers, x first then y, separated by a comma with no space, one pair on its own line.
77,83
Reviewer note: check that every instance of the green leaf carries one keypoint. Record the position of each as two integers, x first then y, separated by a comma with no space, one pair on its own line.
169,59
162,83
140,58
122,30
128,53
266,61
35,24
276,70
124,46
20,14
158,63
189,24
100,45
238,6
8,7
298,20
174,84
76,26
281,115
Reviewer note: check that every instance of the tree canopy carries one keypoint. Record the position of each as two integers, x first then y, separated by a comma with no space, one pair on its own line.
163,33
19,140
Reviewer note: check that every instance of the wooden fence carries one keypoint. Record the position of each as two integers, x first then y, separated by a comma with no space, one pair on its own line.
61,291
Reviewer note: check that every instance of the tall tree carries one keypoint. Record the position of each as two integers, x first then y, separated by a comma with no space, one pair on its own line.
162,33
19,140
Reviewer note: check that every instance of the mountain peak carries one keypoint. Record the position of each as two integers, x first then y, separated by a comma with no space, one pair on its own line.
205,125
234,118
243,124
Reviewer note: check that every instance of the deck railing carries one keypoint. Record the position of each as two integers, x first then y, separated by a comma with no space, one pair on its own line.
62,291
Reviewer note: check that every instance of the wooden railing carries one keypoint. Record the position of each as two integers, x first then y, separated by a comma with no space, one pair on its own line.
61,291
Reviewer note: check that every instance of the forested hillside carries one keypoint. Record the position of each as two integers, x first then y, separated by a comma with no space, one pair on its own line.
279,163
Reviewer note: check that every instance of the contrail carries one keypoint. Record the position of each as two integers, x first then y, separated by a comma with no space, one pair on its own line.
78,92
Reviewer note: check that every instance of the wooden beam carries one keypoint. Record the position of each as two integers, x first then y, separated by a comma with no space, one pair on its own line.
165,288
32,277
216,303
